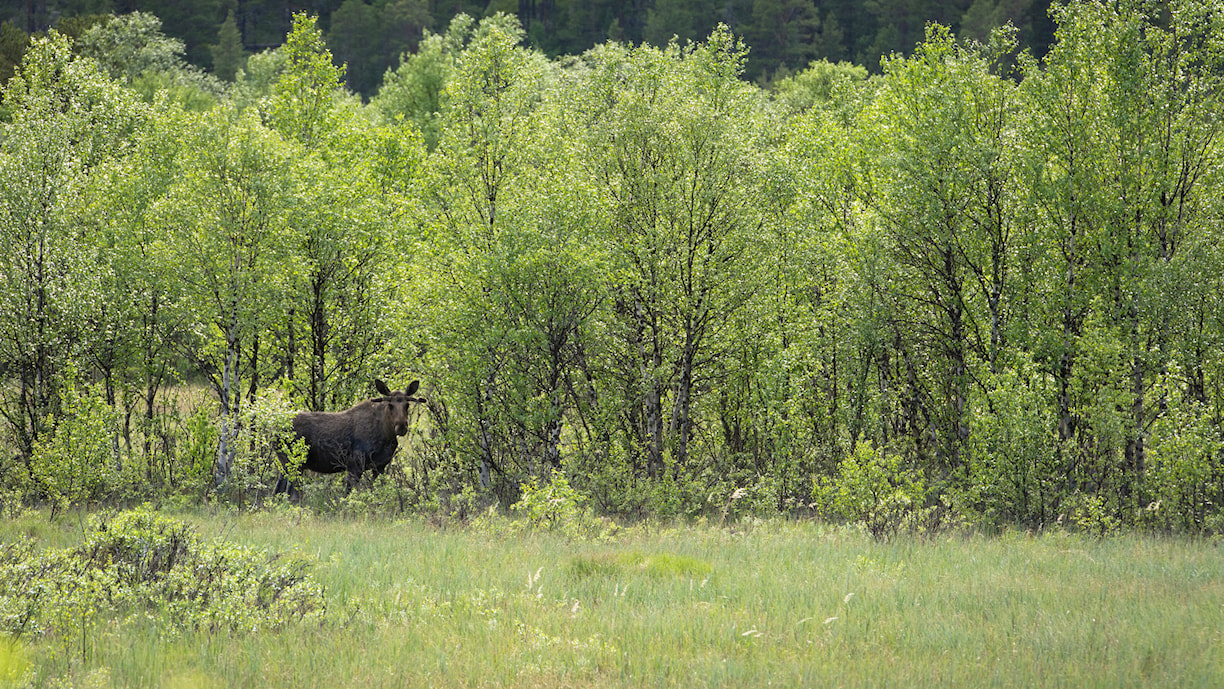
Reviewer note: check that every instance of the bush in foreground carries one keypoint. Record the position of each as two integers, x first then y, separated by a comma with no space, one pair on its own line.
140,564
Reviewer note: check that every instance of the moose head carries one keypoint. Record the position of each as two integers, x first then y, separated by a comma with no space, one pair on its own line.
393,405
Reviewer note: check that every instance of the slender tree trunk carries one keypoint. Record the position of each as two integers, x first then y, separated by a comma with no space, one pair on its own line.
150,405
487,462
319,336
154,374
229,408
682,407
291,345
960,370
647,415
253,390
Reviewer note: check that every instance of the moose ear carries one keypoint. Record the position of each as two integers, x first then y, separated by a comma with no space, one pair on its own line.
381,387
412,387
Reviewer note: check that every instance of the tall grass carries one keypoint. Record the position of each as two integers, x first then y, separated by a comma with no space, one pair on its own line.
783,603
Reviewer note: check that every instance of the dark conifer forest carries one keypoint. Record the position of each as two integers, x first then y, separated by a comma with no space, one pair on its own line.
369,36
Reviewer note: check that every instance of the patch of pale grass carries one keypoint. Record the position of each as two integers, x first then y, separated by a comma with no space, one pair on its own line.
634,563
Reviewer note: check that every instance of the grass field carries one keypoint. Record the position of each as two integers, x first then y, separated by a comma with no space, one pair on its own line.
769,604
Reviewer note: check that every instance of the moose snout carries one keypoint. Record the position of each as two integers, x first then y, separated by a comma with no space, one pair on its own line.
401,428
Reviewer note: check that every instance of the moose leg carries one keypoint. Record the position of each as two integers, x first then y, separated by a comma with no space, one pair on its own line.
284,485
351,481
358,460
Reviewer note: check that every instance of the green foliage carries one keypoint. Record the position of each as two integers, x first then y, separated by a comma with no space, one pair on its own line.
784,35
1184,474
369,36
1013,453
305,92
130,45
255,80
875,489
416,89
509,268
682,20
139,565
1093,514
265,447
78,461
67,120
228,214
820,82
556,506
13,44
672,163
228,55
631,265
133,49
196,450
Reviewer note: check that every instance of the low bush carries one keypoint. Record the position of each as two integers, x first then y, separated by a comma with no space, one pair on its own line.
554,506
265,448
78,461
875,489
142,565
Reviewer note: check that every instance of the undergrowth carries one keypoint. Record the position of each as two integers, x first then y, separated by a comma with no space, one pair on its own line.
139,566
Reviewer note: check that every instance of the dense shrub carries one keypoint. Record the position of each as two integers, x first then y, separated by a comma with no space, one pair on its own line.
875,489
1013,475
557,506
78,461
265,435
1185,479
139,563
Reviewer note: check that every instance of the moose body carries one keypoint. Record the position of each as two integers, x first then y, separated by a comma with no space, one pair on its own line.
363,437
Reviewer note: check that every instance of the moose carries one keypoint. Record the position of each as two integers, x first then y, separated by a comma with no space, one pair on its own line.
361,437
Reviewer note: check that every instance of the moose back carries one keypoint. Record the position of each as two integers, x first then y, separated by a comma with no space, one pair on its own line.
362,437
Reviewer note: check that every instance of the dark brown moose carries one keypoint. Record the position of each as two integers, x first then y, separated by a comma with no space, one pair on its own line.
360,438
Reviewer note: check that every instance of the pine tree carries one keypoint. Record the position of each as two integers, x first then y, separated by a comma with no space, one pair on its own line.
228,55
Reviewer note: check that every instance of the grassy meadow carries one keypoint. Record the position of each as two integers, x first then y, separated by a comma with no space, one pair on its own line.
774,603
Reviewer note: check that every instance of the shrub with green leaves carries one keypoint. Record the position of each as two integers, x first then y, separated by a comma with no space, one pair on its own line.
1093,513
1183,481
557,506
875,489
78,461
1012,455
265,435
140,563
196,450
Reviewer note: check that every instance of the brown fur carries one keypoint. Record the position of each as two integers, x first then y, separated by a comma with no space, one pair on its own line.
362,437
